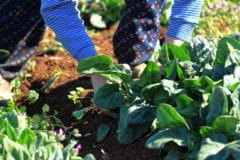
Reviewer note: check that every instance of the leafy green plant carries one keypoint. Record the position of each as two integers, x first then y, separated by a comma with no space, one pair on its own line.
50,82
101,13
15,84
51,45
167,11
75,95
33,96
219,18
194,105
21,139
80,113
102,132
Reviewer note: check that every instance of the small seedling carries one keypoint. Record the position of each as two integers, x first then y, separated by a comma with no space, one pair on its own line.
31,64
75,95
33,96
15,84
52,80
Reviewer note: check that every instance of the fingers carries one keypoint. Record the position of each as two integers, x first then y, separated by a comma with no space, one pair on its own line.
174,41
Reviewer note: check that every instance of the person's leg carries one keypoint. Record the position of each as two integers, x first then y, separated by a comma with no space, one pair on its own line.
137,33
5,92
19,19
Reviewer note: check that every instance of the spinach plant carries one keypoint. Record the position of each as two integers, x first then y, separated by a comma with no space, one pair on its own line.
192,109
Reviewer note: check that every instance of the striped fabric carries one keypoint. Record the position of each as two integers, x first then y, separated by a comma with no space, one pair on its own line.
63,17
184,18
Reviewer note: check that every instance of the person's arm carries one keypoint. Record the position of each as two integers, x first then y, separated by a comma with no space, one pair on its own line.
184,18
63,17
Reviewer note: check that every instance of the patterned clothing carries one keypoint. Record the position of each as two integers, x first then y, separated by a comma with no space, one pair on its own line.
136,36
134,40
17,18
20,20
137,33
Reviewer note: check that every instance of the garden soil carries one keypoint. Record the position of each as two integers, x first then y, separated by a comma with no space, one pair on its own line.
47,64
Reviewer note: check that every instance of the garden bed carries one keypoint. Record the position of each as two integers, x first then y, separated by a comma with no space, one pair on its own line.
57,98
188,111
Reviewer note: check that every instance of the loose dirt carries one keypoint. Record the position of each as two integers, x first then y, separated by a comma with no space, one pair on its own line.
47,64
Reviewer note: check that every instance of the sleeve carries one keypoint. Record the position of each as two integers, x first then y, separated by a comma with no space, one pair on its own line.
184,18
64,18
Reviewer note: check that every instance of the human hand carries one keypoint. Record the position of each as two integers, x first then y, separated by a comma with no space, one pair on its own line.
138,70
97,82
5,90
174,41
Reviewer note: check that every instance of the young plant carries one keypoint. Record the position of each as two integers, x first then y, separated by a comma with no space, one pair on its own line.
220,17
51,44
33,96
194,105
15,84
167,11
50,82
101,13
21,140
75,95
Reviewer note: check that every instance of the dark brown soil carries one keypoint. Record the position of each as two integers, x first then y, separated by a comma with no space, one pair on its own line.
57,98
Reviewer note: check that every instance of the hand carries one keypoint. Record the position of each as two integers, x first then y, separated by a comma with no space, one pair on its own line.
97,82
174,41
5,90
138,70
